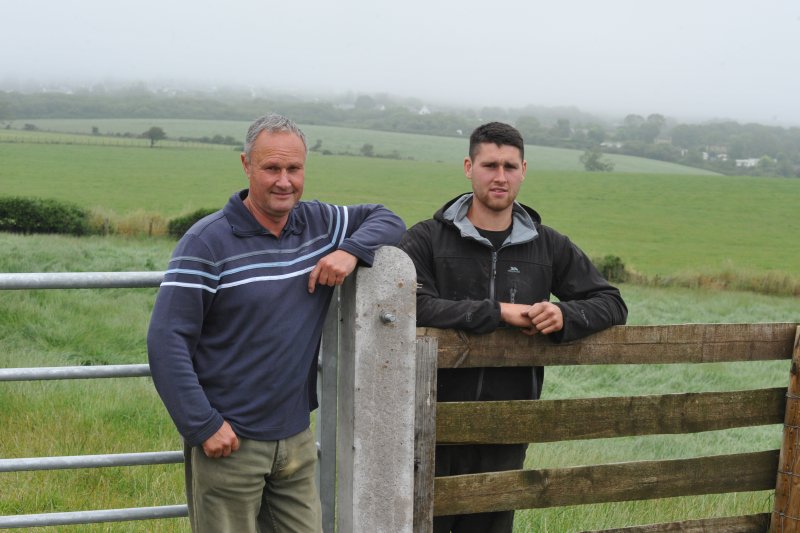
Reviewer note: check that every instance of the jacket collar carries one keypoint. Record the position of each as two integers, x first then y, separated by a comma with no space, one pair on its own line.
244,224
523,221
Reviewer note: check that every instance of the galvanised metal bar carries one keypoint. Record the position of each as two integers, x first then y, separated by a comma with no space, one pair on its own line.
74,372
89,280
90,461
80,280
91,517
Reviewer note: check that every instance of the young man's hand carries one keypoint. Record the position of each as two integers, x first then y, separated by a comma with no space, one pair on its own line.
541,317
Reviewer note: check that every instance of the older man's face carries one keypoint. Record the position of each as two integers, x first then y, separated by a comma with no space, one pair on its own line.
276,171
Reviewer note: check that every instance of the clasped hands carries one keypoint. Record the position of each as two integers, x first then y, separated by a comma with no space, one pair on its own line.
541,317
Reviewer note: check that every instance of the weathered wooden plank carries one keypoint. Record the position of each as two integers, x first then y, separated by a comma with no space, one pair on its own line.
596,418
786,511
754,523
684,343
424,434
643,480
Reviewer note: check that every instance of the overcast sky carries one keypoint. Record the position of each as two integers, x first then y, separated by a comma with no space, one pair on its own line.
687,59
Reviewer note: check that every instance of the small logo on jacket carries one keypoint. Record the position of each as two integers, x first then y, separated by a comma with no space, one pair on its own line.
513,270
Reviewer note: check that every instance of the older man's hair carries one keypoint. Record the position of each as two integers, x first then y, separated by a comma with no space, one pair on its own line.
271,123
496,133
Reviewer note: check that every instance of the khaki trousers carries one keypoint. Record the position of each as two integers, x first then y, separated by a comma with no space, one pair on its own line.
263,487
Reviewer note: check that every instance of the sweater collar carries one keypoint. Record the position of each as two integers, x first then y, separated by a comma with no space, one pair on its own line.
244,224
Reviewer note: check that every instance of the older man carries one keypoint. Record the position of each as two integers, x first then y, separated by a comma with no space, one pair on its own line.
235,332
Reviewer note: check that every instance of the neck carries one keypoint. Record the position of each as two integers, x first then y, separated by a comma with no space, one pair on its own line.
273,225
488,219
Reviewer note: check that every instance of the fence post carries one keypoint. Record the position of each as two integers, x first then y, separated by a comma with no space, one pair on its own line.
376,397
786,512
425,433
325,426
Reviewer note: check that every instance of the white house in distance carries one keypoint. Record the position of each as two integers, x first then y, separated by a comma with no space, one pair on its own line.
747,163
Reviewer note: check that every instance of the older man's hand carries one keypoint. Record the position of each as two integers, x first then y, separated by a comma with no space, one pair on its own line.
332,269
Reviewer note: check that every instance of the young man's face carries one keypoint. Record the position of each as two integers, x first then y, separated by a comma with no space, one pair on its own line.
496,173
276,171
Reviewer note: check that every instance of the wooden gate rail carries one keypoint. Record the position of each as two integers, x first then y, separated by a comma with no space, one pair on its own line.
593,418
639,345
599,418
639,480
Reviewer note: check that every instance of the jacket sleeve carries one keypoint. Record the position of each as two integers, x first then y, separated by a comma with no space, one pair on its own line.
475,316
588,302
175,326
370,226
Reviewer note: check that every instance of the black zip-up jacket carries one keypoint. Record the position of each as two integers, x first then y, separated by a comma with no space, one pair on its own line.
461,281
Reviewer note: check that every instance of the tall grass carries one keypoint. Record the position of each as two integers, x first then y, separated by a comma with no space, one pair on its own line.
729,278
139,223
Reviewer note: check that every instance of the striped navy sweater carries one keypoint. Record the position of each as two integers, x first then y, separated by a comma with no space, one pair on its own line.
234,333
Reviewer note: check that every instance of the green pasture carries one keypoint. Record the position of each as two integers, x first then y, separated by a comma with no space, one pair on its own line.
663,223
660,224
346,141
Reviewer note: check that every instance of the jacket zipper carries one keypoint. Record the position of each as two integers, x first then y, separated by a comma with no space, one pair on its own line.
492,297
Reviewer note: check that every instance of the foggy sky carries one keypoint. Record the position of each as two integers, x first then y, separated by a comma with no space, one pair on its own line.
687,59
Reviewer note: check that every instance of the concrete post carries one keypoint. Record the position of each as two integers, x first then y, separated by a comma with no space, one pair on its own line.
376,397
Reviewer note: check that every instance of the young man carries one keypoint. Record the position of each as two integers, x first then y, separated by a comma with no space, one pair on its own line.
235,332
485,261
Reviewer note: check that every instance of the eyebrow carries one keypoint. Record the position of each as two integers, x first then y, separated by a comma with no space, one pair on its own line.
505,164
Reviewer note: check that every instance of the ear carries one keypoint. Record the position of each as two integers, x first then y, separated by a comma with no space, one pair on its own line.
245,164
524,168
468,168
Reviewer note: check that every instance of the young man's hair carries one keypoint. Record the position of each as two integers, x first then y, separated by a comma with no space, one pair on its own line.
271,123
496,133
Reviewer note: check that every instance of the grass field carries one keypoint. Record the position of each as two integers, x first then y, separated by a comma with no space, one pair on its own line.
343,140
660,225
666,224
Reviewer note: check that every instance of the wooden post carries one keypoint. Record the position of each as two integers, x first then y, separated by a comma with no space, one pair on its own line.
376,397
425,434
786,512
325,427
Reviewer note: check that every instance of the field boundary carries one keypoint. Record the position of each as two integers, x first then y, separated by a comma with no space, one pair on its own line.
105,141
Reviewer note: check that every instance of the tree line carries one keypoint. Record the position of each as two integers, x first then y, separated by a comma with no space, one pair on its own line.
727,147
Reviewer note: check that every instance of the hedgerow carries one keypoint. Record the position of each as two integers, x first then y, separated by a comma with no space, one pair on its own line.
42,215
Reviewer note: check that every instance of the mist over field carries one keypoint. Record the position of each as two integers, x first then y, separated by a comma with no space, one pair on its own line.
689,60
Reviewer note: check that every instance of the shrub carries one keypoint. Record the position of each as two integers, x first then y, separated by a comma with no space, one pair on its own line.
612,268
42,215
592,160
180,225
